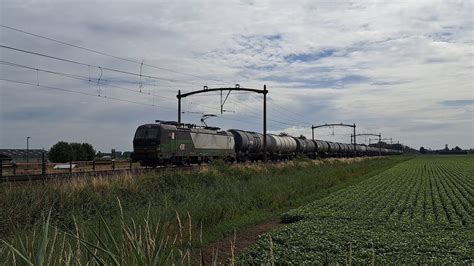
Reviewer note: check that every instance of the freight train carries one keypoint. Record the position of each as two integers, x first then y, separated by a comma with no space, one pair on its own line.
168,142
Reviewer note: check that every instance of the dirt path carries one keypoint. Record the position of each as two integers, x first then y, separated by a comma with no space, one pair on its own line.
243,239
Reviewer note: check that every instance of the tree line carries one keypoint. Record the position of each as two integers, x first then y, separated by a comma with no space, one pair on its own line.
455,150
62,152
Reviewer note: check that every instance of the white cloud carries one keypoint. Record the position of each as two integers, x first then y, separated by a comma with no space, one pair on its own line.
381,64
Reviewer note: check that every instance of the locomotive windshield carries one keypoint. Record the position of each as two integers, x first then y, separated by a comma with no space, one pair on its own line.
147,133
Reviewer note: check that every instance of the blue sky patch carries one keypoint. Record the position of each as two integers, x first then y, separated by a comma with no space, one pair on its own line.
389,83
457,103
319,82
313,56
274,37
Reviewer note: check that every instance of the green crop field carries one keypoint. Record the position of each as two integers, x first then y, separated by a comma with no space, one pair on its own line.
420,210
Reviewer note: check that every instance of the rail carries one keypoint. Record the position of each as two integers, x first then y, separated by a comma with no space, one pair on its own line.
12,170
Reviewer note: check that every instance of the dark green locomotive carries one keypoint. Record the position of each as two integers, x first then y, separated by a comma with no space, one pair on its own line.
170,143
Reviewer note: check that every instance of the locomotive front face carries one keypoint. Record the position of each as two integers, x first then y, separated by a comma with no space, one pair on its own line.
146,143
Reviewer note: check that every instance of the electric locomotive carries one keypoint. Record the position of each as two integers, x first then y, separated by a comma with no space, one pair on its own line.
168,142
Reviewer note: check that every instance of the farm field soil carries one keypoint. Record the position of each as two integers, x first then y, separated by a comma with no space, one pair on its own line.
421,210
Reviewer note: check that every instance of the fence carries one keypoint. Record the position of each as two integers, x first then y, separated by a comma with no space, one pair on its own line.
11,169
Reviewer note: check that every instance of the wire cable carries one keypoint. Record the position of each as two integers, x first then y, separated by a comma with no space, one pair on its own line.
92,80
284,117
84,93
95,66
261,116
253,114
107,54
80,77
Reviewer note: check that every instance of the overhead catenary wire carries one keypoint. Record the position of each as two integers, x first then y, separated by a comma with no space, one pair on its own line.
104,97
260,116
79,77
83,93
124,100
286,116
108,54
280,109
92,65
103,82
141,63
254,114
83,78
88,79
126,59
106,68
291,115
246,106
228,118
193,103
369,102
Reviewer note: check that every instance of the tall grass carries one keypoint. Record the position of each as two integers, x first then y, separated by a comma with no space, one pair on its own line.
145,242
219,198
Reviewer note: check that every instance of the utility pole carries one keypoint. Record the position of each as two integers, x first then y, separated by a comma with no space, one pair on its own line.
380,144
265,123
355,144
27,151
179,106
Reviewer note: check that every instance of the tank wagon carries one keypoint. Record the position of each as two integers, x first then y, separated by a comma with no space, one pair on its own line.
249,146
322,148
167,142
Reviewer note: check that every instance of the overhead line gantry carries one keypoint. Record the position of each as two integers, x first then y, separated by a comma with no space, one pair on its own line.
391,140
375,135
338,125
236,88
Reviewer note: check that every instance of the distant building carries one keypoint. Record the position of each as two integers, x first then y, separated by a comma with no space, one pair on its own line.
106,157
115,154
19,155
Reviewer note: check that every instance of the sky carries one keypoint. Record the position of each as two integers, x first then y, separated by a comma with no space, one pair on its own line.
400,68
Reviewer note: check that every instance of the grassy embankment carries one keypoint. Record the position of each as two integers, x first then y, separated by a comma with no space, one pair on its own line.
87,222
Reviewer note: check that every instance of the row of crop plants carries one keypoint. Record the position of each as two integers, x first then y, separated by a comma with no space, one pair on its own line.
458,203
463,180
429,213
463,195
406,190
390,202
409,210
447,214
419,210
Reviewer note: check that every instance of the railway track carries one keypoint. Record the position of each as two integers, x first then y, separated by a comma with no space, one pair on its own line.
44,178
64,176
38,178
